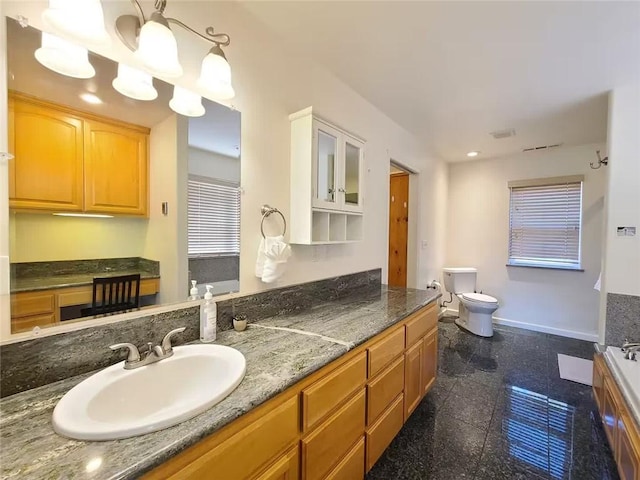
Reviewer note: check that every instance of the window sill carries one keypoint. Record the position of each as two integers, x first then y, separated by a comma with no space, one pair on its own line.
549,267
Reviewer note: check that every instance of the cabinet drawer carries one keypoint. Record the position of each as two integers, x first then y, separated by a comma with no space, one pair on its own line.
382,352
287,467
421,323
326,394
249,449
381,391
25,324
380,435
24,304
352,465
324,447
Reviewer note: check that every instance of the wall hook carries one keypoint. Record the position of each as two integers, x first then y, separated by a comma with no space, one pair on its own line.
601,161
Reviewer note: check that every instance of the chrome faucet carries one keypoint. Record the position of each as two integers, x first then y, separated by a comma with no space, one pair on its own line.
630,350
153,353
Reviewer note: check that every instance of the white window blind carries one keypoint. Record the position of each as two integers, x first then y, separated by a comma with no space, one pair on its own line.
213,217
545,222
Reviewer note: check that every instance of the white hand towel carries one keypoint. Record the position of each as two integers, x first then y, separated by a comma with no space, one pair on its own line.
272,257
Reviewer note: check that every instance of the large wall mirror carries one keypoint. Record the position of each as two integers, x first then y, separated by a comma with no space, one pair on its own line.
103,185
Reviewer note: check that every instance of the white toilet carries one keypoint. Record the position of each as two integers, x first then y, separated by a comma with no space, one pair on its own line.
475,309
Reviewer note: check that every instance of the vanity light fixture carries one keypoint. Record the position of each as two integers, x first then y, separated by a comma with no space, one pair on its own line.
64,57
83,215
473,154
187,103
154,45
79,20
134,83
91,98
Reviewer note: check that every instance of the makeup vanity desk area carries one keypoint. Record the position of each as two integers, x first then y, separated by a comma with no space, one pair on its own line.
38,302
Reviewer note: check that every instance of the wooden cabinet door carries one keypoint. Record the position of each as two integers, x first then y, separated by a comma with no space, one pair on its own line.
412,379
116,169
287,467
47,171
429,361
598,380
609,415
627,455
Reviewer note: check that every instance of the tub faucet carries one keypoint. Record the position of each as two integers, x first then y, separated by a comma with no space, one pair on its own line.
630,350
153,353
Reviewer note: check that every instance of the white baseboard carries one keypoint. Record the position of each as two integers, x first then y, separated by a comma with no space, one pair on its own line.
589,337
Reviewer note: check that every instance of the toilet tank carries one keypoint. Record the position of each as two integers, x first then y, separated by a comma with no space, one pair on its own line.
460,280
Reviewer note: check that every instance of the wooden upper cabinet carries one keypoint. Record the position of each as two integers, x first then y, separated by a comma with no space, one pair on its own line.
116,168
68,160
47,171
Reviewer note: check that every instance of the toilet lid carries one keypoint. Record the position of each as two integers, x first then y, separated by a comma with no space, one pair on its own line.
479,297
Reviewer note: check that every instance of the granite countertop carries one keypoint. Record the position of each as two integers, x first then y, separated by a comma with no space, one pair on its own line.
32,284
278,354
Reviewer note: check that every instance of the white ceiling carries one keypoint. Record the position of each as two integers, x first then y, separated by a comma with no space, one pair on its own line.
218,130
452,72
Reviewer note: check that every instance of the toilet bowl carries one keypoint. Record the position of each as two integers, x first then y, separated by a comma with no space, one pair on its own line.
475,313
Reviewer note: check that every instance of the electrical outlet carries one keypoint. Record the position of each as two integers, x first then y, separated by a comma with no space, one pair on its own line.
425,244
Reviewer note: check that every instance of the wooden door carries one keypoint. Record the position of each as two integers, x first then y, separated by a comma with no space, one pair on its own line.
46,173
429,360
412,379
116,169
398,229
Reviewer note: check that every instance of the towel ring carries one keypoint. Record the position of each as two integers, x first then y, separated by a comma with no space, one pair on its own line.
266,210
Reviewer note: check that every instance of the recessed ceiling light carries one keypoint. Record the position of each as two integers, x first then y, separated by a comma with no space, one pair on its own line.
472,154
91,98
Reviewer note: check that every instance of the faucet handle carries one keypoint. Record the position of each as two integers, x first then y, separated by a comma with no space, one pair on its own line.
133,355
166,341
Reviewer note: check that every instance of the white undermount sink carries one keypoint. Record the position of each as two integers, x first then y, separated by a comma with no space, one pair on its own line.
117,403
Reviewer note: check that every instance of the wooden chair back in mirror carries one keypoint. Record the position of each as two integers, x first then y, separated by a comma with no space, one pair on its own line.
114,294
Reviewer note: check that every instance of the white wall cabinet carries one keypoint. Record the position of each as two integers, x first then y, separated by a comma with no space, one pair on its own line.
327,179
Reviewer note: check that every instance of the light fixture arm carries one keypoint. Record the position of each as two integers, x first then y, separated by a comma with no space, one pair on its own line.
601,161
221,39
139,12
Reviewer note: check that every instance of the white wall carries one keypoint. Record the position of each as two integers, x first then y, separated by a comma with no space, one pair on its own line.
166,235
623,197
270,84
556,301
214,165
44,237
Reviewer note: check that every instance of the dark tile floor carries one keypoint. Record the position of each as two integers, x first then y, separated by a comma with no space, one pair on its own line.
499,410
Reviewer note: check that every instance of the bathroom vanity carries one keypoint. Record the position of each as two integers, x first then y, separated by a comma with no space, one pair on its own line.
326,390
618,407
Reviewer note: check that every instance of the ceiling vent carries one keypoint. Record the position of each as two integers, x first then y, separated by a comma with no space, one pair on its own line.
541,147
498,134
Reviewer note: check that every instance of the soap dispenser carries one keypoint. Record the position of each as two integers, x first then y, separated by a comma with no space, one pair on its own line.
193,293
208,317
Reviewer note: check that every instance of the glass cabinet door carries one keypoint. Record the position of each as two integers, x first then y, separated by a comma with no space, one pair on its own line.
352,175
325,168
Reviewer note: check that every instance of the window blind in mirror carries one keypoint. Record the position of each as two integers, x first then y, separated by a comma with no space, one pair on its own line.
213,217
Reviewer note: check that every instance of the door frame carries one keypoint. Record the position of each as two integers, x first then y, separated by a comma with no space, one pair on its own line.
413,257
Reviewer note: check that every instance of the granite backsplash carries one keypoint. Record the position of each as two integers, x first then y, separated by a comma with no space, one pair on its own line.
623,319
39,361
74,267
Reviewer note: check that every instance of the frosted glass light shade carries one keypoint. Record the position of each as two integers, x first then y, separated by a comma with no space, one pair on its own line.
81,20
187,103
134,83
158,49
64,57
215,77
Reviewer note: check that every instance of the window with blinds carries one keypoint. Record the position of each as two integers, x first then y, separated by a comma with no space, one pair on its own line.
545,220
213,217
